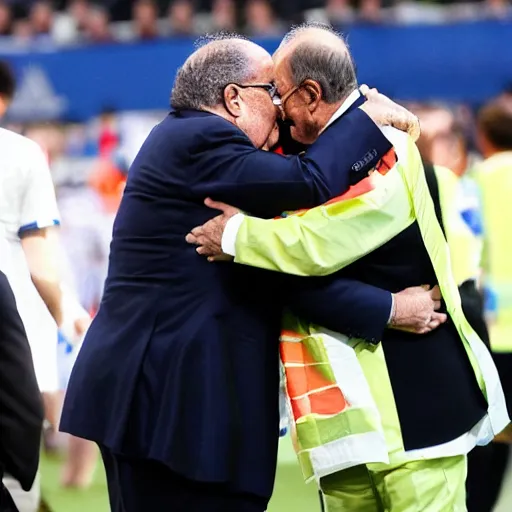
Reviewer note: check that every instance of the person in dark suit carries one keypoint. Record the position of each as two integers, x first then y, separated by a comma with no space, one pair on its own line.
434,411
178,377
21,407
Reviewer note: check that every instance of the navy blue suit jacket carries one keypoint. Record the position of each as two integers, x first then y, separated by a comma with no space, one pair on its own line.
180,364
21,408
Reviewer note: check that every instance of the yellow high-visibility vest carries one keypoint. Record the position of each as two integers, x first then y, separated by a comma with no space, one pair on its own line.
465,246
494,176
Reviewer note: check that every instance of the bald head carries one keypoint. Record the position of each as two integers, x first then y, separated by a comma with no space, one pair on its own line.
316,52
219,61
318,32
222,43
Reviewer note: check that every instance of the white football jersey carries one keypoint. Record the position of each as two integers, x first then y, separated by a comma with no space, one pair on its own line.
27,202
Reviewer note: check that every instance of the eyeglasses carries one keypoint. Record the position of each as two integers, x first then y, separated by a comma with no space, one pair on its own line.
270,88
288,95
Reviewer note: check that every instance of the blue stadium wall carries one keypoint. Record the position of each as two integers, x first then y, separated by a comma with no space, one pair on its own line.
467,62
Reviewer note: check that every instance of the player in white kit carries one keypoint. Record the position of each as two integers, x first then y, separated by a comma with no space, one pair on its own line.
28,213
28,217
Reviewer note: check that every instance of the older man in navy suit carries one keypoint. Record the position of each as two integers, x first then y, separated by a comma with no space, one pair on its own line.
177,380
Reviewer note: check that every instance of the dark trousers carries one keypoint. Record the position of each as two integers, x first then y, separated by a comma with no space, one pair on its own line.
137,485
486,469
487,464
6,503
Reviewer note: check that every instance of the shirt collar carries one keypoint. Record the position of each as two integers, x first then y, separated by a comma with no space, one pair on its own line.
349,101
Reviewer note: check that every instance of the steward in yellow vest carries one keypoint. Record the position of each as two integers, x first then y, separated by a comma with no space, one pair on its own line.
494,175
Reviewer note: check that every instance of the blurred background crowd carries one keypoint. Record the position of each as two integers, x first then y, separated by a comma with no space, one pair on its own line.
29,22
93,78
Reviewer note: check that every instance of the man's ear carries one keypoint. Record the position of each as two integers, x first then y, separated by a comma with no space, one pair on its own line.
312,94
232,100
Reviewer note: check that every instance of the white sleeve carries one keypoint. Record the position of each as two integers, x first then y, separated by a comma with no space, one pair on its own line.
228,241
39,204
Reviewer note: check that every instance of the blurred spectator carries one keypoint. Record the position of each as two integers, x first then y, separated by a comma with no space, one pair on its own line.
181,17
224,15
495,128
139,19
107,178
5,19
70,24
261,20
78,143
339,12
497,9
446,140
145,19
108,182
409,12
22,31
494,137
79,11
436,123
486,9
50,137
97,26
41,17
108,140
371,11
446,134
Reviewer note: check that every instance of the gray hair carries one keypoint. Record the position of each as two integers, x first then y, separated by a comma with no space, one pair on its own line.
221,59
333,68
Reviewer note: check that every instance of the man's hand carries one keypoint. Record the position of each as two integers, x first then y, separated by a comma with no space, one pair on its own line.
415,310
209,236
81,325
505,436
386,112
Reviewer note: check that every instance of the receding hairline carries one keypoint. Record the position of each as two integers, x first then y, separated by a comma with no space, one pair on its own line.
219,44
249,48
216,63
315,36
316,52
305,37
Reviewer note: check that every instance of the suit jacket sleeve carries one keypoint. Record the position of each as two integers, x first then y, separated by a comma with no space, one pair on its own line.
328,238
350,307
266,184
21,408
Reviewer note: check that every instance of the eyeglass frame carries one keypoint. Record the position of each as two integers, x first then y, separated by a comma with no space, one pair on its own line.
271,88
287,95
